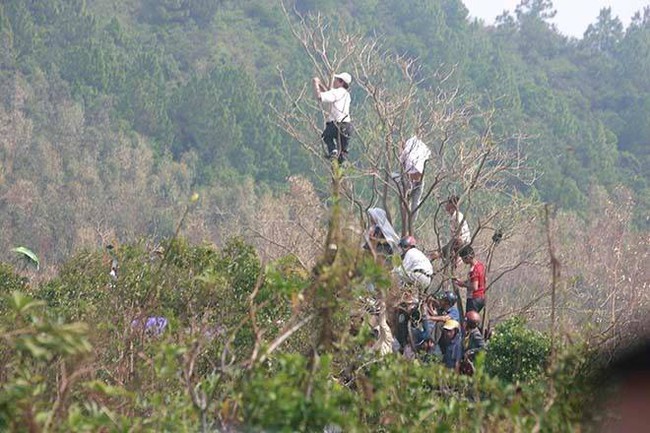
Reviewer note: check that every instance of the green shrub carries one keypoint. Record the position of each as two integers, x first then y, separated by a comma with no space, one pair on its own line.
33,342
204,372
517,353
9,283
295,396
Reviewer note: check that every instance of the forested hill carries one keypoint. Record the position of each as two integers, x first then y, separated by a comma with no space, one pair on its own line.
114,110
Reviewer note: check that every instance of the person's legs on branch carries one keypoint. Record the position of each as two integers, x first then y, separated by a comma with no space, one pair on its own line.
416,194
344,131
447,251
422,282
475,304
329,136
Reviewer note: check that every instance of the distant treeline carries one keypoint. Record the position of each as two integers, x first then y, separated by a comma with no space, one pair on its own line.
88,87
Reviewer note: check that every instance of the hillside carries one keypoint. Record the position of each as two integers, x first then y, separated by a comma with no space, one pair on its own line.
188,260
114,110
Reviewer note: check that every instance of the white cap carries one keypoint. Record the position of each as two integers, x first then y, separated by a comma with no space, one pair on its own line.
345,77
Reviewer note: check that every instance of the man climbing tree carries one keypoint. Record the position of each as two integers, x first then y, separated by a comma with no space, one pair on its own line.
413,159
460,233
338,126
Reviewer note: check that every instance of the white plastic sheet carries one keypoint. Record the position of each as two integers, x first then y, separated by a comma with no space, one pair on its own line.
378,216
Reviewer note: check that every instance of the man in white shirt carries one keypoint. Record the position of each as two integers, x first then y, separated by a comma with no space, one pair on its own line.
416,269
460,233
412,159
338,126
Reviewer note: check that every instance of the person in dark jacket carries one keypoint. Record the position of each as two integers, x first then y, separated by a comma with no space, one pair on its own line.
451,345
473,342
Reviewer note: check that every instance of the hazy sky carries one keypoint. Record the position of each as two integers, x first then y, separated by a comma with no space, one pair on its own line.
573,16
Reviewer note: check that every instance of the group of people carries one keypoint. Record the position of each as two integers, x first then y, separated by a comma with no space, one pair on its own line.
437,328
441,333
432,328
416,268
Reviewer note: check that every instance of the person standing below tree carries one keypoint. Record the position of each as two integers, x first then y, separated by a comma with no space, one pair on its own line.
338,126
474,341
475,283
451,345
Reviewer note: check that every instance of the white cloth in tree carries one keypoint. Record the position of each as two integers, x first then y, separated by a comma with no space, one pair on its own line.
379,218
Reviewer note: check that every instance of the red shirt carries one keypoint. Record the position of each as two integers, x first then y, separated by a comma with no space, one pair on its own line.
477,273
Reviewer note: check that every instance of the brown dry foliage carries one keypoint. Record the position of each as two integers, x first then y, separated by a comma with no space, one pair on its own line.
292,223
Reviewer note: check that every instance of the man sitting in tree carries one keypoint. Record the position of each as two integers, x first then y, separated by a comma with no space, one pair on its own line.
460,233
416,269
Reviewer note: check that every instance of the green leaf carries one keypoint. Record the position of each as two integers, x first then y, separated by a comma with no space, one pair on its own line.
34,349
108,390
29,254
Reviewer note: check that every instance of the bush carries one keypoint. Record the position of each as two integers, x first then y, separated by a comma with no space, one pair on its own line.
517,353
205,372
295,396
9,283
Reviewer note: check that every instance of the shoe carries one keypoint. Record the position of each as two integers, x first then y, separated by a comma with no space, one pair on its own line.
333,155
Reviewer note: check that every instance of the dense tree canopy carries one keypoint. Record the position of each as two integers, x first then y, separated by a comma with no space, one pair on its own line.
192,83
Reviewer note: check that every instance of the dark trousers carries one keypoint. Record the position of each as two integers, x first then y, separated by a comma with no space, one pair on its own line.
475,304
337,137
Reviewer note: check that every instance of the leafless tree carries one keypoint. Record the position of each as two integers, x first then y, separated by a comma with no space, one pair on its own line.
394,100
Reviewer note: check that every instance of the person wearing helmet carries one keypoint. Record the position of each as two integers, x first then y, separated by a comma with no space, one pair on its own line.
436,316
416,269
447,311
436,313
338,126
475,283
474,341
451,345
